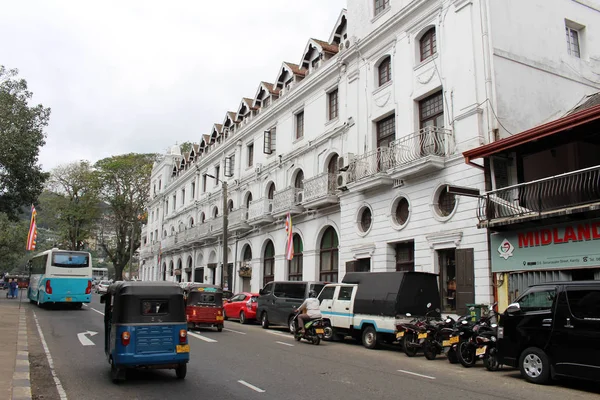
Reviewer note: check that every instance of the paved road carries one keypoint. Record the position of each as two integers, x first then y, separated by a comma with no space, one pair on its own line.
247,362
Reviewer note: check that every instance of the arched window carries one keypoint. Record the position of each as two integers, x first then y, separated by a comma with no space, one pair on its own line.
384,71
164,272
332,166
202,217
271,191
247,254
328,256
178,272
191,222
248,199
171,268
230,205
428,45
295,264
269,263
215,213
299,180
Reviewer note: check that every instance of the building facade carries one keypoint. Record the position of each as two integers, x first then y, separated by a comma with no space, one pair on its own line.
358,142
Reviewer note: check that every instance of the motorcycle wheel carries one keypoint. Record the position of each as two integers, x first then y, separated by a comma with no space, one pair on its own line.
329,335
316,340
452,357
429,351
491,362
410,348
298,337
466,354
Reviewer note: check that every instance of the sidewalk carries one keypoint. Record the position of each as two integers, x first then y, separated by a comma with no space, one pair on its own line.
14,368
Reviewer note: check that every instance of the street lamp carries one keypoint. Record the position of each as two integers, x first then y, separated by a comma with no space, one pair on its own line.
225,222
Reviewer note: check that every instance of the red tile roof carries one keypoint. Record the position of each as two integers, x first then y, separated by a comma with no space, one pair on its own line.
329,48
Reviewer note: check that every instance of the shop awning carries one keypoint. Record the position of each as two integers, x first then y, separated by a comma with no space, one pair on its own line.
562,124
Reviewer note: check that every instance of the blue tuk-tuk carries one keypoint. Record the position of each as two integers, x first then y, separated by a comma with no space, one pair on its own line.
145,327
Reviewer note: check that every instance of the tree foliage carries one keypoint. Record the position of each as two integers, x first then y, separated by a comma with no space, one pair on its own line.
21,136
124,186
13,238
185,147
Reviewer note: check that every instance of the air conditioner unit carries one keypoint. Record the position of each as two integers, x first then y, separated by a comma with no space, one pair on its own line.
342,181
299,197
258,168
344,161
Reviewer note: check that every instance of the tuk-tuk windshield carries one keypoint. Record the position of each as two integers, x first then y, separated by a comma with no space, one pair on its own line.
155,307
205,299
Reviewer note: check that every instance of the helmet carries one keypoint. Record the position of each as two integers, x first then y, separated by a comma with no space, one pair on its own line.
312,293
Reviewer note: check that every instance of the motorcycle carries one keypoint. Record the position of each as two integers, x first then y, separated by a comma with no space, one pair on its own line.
414,333
313,330
479,341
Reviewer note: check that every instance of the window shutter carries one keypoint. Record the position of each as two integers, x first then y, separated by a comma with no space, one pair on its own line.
267,142
351,266
465,280
500,172
228,166
273,140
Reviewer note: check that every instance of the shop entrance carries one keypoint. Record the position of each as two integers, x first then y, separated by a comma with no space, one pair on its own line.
457,279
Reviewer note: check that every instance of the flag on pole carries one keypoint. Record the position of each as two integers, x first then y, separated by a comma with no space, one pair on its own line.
289,246
32,235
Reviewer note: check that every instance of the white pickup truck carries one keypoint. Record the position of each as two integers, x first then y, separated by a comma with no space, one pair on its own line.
366,304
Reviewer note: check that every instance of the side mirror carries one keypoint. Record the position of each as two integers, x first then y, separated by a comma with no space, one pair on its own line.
513,308
408,314
428,305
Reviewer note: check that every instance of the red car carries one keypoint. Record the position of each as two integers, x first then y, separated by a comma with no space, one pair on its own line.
241,306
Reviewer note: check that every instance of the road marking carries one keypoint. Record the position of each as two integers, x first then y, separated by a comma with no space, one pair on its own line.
61,391
206,339
85,341
285,344
93,309
256,389
231,330
415,374
289,336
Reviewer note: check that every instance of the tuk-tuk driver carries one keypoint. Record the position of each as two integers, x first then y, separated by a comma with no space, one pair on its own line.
309,310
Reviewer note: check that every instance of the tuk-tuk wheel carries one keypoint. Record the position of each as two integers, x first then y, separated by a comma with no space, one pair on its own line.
116,374
181,371
220,328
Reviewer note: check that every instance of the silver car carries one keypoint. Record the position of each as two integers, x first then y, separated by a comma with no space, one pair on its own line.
102,287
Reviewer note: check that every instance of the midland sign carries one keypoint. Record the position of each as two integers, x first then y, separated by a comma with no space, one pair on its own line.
570,245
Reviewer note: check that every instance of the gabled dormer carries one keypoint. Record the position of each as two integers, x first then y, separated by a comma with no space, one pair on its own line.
289,74
265,95
193,154
339,35
316,53
246,110
205,143
183,162
215,134
229,126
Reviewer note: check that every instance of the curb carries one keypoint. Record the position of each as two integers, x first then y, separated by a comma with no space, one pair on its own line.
21,381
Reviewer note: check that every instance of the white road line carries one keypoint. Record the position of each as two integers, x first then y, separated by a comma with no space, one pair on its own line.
415,374
206,339
285,344
281,334
256,389
61,391
231,330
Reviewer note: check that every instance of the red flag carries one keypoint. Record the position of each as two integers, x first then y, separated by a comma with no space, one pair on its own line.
32,235
289,246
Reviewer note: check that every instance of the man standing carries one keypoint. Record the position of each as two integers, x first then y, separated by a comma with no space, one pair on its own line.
14,286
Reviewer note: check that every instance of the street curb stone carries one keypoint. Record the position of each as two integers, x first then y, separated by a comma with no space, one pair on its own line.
21,381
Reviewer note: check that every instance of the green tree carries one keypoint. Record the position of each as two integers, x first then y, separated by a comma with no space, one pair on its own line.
125,187
71,204
21,136
13,238
185,147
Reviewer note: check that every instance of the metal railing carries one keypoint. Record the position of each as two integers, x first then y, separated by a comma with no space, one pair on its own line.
259,208
216,224
237,216
285,199
319,186
571,189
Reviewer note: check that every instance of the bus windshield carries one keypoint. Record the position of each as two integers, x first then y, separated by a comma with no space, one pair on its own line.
66,259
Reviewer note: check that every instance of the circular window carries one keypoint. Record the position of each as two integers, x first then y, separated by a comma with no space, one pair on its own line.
365,219
446,202
401,212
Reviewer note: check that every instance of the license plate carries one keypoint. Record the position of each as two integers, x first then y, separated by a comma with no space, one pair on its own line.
68,299
422,336
183,348
219,318
446,343
454,339
319,331
399,335
480,351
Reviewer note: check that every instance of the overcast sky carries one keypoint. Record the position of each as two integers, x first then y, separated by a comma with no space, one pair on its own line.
137,76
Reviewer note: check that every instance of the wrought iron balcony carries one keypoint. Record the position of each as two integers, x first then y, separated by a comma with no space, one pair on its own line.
572,191
237,220
259,211
320,190
287,200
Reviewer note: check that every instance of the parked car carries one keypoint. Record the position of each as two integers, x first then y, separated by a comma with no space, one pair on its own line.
102,287
365,305
278,300
553,330
241,306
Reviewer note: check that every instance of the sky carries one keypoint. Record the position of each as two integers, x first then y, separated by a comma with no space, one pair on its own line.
138,76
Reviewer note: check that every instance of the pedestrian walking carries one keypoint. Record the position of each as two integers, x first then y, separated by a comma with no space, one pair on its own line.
14,287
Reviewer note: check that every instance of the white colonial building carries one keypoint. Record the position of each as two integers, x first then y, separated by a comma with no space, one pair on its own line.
359,140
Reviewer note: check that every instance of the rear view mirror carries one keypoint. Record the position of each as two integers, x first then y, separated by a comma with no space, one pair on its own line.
513,308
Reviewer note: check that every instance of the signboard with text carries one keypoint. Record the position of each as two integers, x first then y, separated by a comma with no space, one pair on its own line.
569,245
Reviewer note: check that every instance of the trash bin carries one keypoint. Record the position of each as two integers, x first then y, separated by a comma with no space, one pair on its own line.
476,311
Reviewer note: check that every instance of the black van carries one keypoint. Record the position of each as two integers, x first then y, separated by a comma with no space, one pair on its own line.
553,330
278,300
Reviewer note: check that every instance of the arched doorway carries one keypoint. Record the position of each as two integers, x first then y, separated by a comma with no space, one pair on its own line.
328,256
171,266
189,269
199,270
332,166
299,180
246,268
164,271
269,263
295,264
230,205
178,271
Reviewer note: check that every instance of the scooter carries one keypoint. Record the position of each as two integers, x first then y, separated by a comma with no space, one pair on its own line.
313,330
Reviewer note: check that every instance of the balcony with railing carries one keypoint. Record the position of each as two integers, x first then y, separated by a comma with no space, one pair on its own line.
237,220
259,211
216,227
287,201
416,154
572,192
320,191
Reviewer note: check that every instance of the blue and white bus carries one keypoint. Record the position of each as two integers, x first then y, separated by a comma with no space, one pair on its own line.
60,276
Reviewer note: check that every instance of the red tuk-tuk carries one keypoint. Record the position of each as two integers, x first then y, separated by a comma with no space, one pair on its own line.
204,306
